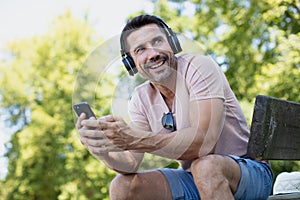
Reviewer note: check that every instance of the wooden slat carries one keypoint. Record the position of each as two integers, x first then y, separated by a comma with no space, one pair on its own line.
275,130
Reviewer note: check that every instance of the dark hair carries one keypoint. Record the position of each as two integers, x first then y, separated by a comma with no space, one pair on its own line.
138,22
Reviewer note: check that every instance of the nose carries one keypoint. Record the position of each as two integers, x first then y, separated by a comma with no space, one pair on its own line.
152,53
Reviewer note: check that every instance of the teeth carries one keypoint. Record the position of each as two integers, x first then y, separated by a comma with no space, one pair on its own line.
158,65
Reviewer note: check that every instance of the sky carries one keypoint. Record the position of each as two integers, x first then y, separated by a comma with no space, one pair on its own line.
27,18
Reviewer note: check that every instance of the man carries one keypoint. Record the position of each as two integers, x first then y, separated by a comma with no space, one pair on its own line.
185,111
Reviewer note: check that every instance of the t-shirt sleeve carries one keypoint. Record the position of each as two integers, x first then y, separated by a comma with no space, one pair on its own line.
205,79
135,110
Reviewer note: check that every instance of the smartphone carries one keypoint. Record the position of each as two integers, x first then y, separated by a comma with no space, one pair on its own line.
83,107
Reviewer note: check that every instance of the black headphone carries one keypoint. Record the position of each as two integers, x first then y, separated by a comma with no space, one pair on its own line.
172,39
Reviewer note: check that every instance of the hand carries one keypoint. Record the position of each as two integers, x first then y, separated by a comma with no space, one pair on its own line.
118,132
92,137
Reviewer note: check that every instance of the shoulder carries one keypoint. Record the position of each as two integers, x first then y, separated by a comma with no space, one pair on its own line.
143,91
143,88
195,61
193,66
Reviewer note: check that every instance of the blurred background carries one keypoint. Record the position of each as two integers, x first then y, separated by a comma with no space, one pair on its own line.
44,46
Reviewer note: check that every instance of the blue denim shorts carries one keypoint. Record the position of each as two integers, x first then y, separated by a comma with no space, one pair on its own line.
255,183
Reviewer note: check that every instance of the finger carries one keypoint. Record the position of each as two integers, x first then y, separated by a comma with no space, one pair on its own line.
104,125
97,150
93,123
110,134
107,118
113,148
110,125
116,118
91,133
83,141
97,142
103,149
79,120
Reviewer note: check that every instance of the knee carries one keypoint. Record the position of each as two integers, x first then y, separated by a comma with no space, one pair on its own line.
209,170
206,166
119,187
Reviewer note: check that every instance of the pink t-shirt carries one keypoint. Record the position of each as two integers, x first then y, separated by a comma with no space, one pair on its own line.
198,78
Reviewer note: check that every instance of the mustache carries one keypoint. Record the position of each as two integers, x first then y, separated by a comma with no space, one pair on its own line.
155,59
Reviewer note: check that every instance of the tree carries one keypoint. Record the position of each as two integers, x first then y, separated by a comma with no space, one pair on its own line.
46,159
244,37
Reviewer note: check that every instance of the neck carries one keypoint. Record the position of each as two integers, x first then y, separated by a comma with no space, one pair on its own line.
167,89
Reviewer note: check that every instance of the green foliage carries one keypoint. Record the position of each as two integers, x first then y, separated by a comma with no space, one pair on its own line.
281,77
47,160
152,161
284,166
257,44
253,41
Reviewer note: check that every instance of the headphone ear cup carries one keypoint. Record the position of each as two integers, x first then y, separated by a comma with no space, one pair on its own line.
174,43
129,65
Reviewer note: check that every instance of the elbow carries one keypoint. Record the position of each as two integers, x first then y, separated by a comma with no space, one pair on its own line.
124,172
128,169
192,151
198,149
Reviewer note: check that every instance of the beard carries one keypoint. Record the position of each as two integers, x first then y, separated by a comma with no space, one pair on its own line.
160,77
167,64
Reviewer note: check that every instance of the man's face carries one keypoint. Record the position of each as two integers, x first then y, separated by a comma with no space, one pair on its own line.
151,52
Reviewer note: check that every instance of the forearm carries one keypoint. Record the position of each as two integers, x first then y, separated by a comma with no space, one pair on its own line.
183,145
201,137
122,162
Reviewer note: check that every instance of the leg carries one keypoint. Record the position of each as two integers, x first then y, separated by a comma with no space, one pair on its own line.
216,176
143,185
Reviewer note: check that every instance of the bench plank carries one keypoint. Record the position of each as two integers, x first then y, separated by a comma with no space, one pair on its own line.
275,130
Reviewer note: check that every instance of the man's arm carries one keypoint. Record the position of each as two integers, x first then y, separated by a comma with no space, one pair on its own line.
200,138
122,162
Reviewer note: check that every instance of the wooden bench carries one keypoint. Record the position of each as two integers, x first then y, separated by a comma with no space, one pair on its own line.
275,133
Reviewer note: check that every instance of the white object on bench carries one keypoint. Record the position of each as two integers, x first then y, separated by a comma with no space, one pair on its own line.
287,182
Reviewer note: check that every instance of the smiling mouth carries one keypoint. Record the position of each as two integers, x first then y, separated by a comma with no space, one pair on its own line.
157,65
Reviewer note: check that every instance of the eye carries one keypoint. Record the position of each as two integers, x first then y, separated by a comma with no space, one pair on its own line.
139,50
158,41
